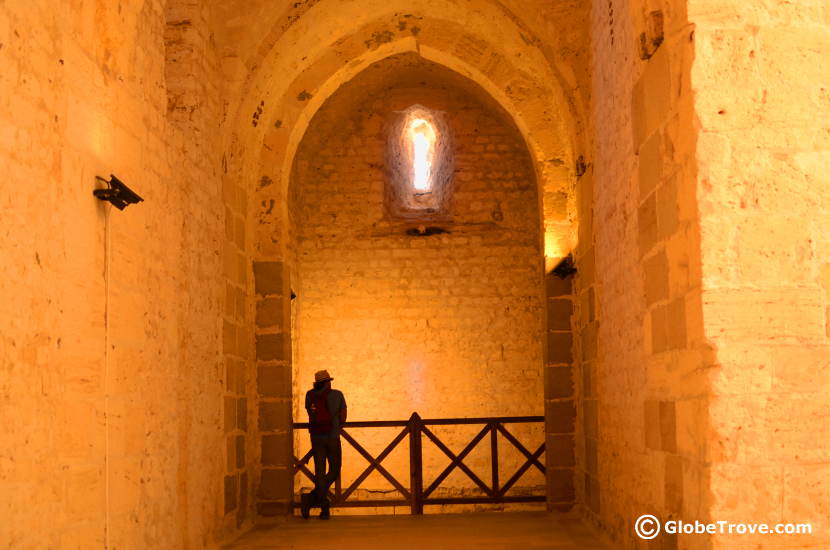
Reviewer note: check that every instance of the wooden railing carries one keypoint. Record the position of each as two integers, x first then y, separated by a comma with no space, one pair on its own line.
415,495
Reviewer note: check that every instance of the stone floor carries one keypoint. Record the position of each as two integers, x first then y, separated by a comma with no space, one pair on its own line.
481,531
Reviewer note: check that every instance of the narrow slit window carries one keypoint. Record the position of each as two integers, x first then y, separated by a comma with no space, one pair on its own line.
419,165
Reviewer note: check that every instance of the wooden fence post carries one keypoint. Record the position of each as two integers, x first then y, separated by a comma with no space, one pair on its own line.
416,471
494,457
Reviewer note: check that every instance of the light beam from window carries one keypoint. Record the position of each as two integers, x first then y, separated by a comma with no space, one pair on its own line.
423,142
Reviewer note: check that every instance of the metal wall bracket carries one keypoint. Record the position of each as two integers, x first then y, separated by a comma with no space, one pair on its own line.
117,193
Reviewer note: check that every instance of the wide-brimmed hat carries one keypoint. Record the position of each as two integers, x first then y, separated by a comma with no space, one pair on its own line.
322,376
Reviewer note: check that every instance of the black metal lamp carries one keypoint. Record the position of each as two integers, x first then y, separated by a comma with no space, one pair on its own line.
116,193
565,268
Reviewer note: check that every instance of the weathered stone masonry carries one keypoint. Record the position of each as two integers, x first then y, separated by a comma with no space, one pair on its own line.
436,324
273,354
679,150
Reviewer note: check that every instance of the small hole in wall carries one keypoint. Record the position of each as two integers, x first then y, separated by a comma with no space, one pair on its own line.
423,231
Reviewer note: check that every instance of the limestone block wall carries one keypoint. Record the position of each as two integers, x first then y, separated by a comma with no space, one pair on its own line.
643,391
560,406
238,366
448,325
241,457
762,104
189,56
273,388
110,375
714,219
584,324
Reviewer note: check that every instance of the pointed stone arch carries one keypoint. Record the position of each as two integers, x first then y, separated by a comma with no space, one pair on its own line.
283,94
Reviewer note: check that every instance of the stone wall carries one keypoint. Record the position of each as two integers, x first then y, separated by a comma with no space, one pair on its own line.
643,389
711,241
448,325
273,387
110,379
560,407
761,102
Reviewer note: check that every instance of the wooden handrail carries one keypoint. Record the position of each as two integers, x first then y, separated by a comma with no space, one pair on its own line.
432,422
415,428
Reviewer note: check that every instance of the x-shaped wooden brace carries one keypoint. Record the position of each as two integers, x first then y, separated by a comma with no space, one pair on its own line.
300,466
532,460
457,461
374,464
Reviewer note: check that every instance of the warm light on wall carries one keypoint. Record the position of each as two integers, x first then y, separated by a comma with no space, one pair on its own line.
417,384
559,244
553,252
550,263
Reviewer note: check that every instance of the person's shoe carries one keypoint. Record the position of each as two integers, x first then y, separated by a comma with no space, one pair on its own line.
305,505
324,511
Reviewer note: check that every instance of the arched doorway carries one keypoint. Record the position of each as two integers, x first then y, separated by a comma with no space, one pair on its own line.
546,123
440,312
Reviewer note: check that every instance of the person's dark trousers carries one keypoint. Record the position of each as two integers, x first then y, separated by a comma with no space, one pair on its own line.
325,448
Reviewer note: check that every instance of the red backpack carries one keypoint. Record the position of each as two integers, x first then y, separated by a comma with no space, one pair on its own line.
320,421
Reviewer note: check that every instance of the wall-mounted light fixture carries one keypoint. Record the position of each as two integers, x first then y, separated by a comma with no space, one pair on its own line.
565,268
116,193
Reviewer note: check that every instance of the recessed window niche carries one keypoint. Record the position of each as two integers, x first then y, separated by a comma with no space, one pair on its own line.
419,165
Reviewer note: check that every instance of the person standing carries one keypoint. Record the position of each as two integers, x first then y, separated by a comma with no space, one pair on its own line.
326,409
